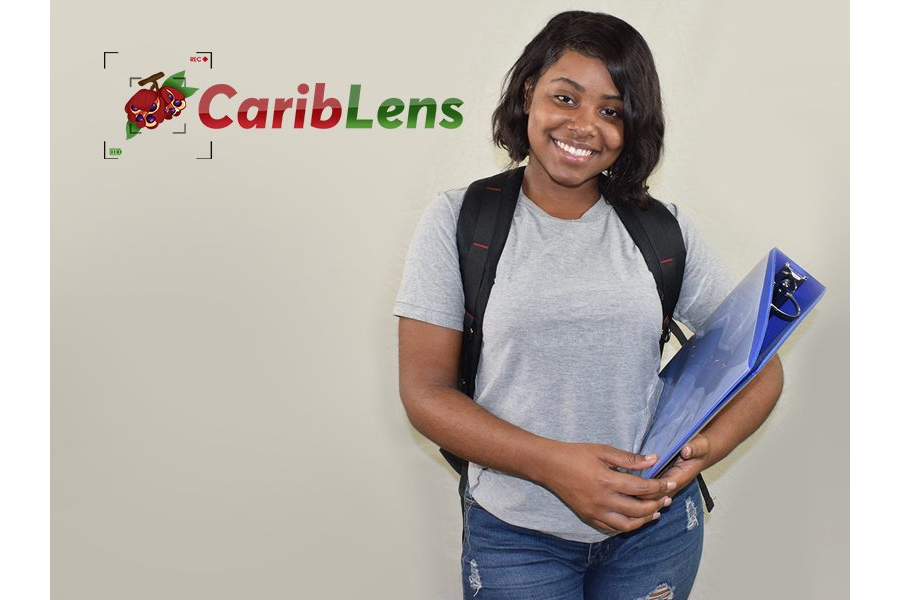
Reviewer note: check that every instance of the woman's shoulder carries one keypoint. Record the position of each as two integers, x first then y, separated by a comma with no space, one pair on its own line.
446,205
453,199
437,222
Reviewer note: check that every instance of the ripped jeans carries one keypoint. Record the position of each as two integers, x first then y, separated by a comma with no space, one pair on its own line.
656,562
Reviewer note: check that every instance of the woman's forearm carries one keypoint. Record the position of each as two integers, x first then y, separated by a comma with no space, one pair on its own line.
456,423
745,413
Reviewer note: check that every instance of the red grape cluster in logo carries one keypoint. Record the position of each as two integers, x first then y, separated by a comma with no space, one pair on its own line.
150,107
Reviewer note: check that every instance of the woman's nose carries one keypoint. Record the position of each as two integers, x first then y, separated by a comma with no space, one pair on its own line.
582,125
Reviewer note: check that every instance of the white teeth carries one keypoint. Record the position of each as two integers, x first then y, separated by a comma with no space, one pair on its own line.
572,150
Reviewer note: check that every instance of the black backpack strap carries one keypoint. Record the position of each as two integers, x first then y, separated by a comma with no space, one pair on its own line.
484,222
704,491
657,235
679,334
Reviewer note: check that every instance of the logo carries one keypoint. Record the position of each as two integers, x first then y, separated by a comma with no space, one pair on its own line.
305,106
149,107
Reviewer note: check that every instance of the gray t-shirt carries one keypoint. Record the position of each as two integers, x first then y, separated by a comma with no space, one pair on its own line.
571,335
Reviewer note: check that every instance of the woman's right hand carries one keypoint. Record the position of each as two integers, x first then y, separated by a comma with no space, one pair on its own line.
583,476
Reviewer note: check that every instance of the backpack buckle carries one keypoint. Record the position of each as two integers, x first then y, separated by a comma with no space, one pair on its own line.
666,331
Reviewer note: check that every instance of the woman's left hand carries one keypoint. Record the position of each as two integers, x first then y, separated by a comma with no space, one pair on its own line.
687,465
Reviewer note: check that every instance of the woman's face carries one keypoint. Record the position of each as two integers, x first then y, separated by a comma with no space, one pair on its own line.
575,126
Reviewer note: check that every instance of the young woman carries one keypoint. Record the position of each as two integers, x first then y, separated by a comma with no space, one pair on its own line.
567,384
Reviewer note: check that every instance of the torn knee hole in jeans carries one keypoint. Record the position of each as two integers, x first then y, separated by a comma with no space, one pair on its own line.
662,592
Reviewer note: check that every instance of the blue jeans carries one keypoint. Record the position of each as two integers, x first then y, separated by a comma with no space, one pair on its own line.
658,561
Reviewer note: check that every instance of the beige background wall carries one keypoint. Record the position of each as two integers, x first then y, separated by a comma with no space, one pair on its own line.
225,418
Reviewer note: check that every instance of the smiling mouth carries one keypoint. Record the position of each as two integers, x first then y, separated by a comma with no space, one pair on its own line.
572,151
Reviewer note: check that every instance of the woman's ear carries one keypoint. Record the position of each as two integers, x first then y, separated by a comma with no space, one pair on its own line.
529,92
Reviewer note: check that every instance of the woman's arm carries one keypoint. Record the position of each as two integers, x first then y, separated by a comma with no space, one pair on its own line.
581,475
734,424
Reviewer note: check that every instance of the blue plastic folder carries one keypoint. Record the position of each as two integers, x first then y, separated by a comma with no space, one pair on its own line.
740,337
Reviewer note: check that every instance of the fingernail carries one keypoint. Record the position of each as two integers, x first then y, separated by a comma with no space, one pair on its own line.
651,457
655,516
670,485
687,451
667,501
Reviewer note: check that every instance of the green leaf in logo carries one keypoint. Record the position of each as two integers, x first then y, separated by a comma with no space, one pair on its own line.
131,130
177,81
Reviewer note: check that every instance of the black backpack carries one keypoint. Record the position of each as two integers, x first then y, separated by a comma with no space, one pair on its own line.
481,231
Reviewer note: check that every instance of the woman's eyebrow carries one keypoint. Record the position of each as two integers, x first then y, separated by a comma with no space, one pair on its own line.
574,84
580,88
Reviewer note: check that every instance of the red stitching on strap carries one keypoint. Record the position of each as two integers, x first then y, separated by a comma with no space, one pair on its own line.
479,245
493,189
662,262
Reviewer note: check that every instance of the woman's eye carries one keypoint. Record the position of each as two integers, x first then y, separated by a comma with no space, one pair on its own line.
609,112
565,99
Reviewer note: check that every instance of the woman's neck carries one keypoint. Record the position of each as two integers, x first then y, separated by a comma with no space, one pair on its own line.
557,200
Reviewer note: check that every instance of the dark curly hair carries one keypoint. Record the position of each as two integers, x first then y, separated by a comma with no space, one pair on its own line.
631,67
